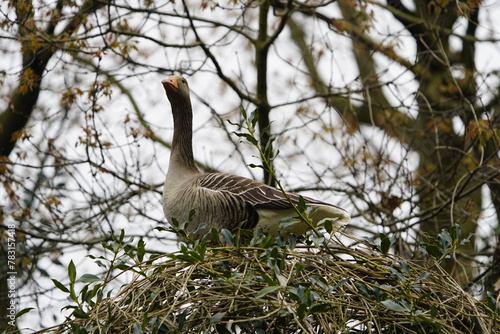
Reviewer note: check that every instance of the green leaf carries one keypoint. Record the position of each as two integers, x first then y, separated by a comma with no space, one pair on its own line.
122,235
492,303
456,232
268,150
79,313
422,277
302,204
141,249
280,240
301,311
196,256
282,280
378,294
186,258
60,286
228,236
431,250
320,308
214,233
320,281
266,242
72,293
254,117
445,240
174,222
137,328
396,274
72,272
392,305
434,311
216,317
243,112
365,290
371,241
160,229
405,267
248,137
328,225
285,222
298,293
88,278
424,296
192,212
269,280
24,311
340,283
266,290
385,243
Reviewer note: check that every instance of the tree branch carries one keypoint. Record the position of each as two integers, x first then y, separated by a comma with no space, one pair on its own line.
35,58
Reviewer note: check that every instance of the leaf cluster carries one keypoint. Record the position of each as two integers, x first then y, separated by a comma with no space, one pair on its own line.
274,286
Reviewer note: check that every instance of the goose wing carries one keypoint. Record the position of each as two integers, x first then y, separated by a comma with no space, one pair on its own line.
257,194
261,206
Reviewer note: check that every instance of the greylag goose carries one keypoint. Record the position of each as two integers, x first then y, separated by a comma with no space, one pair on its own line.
223,200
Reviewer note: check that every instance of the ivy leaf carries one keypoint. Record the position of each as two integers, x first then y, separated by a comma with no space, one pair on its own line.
431,250
88,278
385,243
285,222
60,286
266,290
228,236
72,272
248,137
328,225
24,311
216,317
141,249
321,308
243,112
422,277
302,204
254,117
405,267
456,232
392,305
137,328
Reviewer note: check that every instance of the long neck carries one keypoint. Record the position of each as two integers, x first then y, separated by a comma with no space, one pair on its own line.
182,143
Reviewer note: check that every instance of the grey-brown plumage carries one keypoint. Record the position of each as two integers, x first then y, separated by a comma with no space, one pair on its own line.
224,200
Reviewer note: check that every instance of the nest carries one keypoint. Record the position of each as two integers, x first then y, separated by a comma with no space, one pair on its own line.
274,289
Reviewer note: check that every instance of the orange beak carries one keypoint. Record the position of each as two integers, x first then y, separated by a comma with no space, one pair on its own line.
170,84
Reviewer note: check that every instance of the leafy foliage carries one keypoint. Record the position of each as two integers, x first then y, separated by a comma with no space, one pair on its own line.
264,286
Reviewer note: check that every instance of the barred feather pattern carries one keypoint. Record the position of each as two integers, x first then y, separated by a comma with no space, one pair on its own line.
227,201
219,208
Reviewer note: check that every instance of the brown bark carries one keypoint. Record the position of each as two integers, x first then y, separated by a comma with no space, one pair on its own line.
448,195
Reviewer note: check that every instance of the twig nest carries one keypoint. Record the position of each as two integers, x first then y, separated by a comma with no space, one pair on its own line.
273,289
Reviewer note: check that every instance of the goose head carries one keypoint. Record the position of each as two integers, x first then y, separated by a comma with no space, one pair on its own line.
177,89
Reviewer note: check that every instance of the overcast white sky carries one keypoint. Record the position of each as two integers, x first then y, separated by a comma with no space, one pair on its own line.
211,142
